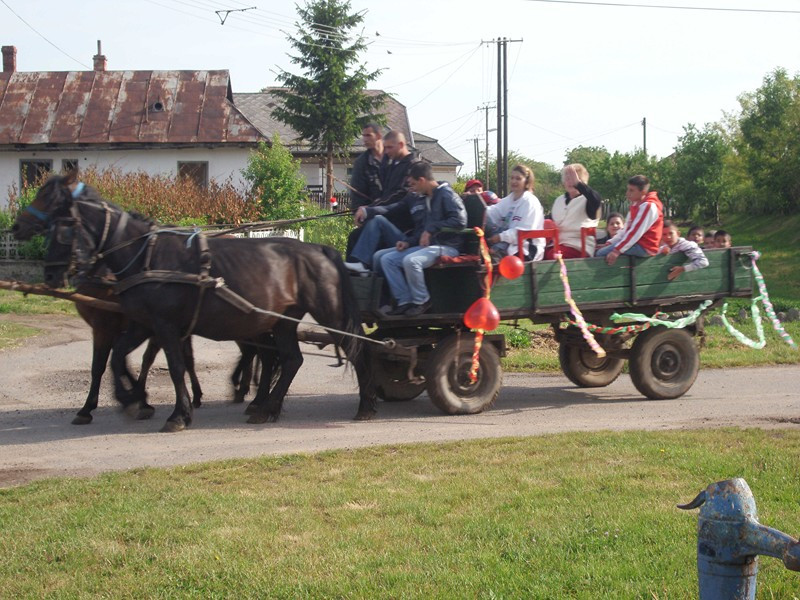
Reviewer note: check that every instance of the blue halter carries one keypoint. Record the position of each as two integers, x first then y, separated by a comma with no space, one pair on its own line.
43,216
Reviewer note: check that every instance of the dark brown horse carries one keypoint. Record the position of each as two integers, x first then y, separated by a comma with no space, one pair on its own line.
107,329
254,285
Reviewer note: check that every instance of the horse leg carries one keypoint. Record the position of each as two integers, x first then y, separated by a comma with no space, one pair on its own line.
357,353
188,354
101,348
134,401
290,359
170,340
265,371
243,373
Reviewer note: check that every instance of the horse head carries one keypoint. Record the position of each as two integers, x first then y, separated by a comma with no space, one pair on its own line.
53,197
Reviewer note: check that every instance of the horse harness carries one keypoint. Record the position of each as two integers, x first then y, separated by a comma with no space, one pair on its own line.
202,279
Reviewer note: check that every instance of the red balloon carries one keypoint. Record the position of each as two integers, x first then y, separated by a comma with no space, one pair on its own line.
511,267
482,315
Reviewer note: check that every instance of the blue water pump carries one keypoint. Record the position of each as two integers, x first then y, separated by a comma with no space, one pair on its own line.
729,540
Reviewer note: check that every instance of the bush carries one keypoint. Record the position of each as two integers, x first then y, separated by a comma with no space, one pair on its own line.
331,231
277,185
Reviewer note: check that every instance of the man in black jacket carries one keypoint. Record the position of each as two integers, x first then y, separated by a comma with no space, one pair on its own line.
365,179
394,183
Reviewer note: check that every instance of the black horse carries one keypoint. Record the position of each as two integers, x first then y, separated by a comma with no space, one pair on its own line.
270,279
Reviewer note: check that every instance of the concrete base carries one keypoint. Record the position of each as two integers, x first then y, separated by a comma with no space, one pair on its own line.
28,271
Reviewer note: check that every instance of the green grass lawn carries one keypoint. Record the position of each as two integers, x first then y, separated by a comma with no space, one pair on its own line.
778,240
561,516
12,333
31,304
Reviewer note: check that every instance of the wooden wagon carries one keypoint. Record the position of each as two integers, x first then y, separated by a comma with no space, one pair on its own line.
433,352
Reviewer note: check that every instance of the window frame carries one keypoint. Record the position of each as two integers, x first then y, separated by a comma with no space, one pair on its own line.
194,164
38,161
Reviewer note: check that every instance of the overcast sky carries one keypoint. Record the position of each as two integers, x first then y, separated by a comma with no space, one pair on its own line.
583,75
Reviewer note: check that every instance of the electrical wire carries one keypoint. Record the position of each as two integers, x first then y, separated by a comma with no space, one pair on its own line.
397,85
31,27
670,7
447,78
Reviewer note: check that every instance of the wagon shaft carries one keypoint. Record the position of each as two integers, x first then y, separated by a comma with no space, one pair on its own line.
40,290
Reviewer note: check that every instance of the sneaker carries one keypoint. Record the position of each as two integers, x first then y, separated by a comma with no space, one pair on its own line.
400,310
418,309
356,267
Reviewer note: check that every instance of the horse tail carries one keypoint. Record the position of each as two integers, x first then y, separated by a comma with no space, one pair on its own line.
351,315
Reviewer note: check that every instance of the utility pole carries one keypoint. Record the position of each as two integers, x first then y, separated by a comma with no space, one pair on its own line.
486,106
644,135
476,151
502,113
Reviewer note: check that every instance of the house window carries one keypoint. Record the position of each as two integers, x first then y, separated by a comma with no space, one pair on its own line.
69,164
196,171
33,170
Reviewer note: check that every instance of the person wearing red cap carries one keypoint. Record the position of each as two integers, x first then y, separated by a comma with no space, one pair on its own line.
474,186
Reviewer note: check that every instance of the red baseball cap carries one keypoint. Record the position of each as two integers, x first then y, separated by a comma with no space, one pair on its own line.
473,182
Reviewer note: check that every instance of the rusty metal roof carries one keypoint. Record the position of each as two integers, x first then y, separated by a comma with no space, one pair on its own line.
121,107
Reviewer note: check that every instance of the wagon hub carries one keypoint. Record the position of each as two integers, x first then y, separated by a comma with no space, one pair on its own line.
666,361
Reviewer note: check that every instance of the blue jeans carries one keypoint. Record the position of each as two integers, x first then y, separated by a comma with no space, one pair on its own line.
378,233
403,270
635,250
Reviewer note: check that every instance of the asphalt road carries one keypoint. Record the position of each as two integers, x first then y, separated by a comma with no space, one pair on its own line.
44,381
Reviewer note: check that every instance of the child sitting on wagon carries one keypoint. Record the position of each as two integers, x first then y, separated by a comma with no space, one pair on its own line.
672,242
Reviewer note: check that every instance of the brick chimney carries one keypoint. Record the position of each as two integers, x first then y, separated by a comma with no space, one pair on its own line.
9,59
99,59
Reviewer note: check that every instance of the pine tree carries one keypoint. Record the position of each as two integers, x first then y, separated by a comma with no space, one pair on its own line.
327,104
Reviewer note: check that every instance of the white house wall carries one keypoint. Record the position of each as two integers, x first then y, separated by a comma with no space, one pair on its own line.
223,163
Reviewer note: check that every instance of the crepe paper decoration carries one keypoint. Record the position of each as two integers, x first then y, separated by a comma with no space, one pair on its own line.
573,307
487,261
655,320
762,289
756,315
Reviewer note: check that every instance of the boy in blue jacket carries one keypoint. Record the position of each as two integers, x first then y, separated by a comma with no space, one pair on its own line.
403,266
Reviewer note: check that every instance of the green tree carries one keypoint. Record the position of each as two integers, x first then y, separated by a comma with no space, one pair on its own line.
548,180
609,173
769,142
275,178
327,105
697,179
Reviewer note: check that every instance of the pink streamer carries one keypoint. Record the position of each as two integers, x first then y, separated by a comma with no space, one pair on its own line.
573,307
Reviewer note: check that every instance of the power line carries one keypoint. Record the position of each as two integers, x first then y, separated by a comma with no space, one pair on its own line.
707,8
388,87
446,79
42,36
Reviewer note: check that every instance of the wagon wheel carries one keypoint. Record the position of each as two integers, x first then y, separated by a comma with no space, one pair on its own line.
664,362
585,369
391,381
448,381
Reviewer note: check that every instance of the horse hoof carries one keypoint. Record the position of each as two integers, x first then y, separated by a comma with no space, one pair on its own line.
145,412
251,409
132,410
258,418
197,403
173,427
237,399
82,419
364,415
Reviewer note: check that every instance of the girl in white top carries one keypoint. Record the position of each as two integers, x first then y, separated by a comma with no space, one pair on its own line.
521,209
575,209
